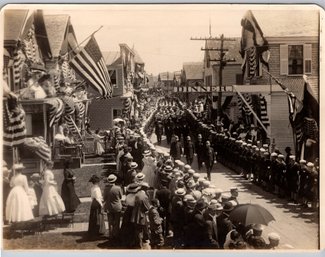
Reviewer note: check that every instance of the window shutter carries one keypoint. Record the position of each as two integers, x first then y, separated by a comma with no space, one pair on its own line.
283,59
307,58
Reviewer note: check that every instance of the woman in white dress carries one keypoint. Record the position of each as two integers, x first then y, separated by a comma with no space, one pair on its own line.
99,150
51,202
18,207
149,169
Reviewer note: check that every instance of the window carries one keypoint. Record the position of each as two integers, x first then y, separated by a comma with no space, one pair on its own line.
208,80
295,59
112,75
117,113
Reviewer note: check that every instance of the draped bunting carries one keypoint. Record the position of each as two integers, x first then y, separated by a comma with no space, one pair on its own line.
56,110
14,126
19,59
263,107
38,146
69,108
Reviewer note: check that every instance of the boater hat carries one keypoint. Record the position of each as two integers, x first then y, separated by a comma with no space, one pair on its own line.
133,188
111,178
133,165
18,166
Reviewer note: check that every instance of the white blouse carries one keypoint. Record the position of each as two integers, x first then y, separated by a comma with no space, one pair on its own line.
95,193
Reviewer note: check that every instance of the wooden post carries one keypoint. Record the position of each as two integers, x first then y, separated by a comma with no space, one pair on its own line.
45,122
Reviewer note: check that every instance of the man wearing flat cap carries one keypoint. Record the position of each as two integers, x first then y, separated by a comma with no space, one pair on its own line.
113,205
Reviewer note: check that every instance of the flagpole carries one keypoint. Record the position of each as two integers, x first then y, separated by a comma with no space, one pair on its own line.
86,39
284,88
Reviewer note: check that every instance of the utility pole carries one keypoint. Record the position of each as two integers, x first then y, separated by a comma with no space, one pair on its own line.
222,63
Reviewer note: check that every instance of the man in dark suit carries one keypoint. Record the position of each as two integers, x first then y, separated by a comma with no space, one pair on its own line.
113,205
176,150
224,225
198,228
199,149
210,218
177,217
209,158
164,196
139,218
189,150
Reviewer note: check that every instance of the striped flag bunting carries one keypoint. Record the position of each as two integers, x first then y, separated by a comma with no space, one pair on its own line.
72,127
56,109
253,45
249,101
39,146
90,65
69,107
252,62
18,62
14,126
263,107
30,45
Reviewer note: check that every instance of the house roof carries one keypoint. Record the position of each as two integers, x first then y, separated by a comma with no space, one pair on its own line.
56,27
193,70
288,23
110,57
232,53
13,24
166,76
137,58
296,86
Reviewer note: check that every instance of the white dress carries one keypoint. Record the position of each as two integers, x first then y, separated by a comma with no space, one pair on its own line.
18,207
148,170
51,202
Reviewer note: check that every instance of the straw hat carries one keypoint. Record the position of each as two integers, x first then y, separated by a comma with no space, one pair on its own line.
18,166
111,178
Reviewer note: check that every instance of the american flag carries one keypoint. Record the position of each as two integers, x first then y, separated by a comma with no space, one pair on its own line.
90,65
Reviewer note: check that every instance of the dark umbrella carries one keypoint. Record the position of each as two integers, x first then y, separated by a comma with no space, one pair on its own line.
247,214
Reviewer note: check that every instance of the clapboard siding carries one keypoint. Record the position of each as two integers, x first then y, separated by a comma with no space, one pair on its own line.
101,112
229,75
281,129
274,65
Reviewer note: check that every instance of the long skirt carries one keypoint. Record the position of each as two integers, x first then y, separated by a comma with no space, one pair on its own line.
51,202
127,234
18,207
95,225
69,196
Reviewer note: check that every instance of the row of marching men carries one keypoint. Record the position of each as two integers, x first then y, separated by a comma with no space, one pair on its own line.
285,176
175,204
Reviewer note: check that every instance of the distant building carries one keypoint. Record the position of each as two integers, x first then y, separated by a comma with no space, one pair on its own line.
294,51
126,70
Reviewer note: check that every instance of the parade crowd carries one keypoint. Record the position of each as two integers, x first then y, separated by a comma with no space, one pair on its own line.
153,197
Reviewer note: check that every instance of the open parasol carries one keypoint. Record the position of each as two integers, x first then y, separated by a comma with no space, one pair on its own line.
118,120
247,214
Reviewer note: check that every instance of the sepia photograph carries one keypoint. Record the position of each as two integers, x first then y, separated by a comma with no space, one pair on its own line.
161,127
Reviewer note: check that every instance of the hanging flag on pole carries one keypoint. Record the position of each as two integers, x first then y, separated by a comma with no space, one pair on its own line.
254,46
90,65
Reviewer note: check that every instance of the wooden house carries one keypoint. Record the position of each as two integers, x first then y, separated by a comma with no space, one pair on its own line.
121,67
294,52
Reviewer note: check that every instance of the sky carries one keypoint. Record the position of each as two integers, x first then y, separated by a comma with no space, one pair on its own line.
160,33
